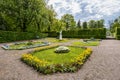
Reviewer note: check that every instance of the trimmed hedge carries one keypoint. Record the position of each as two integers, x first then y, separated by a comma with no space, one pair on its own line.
99,33
52,34
86,33
8,36
118,33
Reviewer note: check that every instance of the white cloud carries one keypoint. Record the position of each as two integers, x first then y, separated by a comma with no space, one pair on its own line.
70,6
106,7
87,9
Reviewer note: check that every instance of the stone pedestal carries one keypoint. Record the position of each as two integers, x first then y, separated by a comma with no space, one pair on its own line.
60,37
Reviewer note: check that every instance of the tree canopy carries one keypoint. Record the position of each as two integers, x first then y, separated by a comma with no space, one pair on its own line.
25,15
69,21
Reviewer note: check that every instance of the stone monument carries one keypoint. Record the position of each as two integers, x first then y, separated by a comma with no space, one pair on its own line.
60,37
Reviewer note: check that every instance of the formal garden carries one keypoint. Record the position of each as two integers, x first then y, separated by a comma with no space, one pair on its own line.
42,43
53,55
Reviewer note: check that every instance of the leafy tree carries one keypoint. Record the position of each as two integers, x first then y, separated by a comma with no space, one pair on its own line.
69,21
51,18
79,24
100,23
92,24
85,25
114,24
25,15
96,24
58,25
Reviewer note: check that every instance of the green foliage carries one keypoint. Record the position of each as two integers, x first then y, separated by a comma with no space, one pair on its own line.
58,25
52,34
84,25
86,33
53,57
8,36
25,15
99,33
118,33
79,25
24,45
88,43
55,40
29,43
69,21
114,24
66,63
96,24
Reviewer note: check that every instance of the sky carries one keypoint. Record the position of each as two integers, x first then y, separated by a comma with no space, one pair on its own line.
86,10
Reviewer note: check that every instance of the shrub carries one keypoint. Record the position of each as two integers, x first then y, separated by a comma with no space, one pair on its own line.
86,33
79,60
52,34
99,33
62,49
118,37
8,36
30,43
118,33
46,67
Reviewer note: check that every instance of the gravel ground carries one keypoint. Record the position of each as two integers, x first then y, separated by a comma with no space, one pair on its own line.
104,64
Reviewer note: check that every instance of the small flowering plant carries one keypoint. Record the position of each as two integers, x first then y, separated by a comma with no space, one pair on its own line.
62,49
47,67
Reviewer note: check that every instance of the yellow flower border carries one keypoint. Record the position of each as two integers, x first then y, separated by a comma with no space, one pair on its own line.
44,66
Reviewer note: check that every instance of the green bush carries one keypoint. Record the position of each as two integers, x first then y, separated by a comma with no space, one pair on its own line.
86,33
117,33
62,49
118,37
99,33
52,34
8,36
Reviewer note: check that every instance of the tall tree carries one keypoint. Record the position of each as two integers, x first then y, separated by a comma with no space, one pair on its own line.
114,24
51,17
21,15
79,24
92,24
96,24
68,19
85,25
58,25
101,23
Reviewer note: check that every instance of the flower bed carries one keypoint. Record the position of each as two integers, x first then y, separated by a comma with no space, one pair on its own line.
47,67
24,45
62,49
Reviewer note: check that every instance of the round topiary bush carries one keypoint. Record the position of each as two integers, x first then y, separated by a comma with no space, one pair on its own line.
62,49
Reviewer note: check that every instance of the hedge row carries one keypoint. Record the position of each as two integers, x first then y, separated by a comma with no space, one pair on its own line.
52,34
8,36
118,33
83,33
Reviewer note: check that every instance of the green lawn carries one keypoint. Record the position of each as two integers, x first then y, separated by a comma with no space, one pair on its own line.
53,57
57,40
89,43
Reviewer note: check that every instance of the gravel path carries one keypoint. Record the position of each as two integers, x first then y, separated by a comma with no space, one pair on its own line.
104,64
